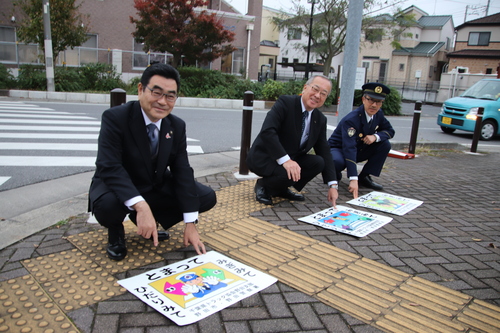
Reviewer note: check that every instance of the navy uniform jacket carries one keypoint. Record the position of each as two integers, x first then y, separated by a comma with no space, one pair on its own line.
124,165
281,134
352,129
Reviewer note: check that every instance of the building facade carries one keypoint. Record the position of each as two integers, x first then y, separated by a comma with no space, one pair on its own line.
111,41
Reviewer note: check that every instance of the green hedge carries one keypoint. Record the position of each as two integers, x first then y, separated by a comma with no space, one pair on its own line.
7,80
195,82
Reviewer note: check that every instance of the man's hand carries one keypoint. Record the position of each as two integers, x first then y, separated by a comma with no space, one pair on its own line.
192,237
333,195
369,139
353,188
146,223
292,169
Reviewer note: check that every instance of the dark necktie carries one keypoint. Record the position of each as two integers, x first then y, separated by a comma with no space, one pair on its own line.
370,123
153,138
304,117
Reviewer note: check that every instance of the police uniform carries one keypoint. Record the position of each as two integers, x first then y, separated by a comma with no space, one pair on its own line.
346,142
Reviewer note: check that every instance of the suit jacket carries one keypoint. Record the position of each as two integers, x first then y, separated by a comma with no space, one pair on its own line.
281,133
349,134
124,165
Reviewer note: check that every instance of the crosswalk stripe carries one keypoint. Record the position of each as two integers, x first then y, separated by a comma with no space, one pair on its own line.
48,136
47,128
48,146
36,116
3,180
51,122
47,161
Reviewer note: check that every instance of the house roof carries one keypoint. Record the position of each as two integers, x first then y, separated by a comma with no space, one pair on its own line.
494,54
434,21
422,49
493,19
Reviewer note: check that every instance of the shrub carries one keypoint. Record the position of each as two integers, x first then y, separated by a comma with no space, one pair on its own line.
67,79
100,77
32,77
7,80
272,90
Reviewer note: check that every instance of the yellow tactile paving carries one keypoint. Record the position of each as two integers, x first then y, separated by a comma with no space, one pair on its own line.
377,294
382,296
72,279
26,307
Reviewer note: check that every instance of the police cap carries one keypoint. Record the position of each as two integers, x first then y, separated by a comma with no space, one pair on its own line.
376,90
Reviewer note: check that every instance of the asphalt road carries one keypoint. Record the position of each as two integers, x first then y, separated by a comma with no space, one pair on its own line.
40,141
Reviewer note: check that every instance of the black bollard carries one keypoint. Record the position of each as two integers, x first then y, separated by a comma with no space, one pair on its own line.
118,97
414,127
477,130
246,131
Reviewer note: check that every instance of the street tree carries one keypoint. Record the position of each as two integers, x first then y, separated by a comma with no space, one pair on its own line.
329,27
182,28
69,28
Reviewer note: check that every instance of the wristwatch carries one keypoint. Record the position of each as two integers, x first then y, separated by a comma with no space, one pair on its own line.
335,186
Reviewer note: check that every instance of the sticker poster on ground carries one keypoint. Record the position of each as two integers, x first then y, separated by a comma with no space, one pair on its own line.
386,202
195,288
347,220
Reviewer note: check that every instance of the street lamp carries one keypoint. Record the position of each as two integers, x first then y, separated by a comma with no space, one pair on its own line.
309,42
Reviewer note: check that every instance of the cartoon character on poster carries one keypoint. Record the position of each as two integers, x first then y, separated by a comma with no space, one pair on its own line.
384,202
345,220
200,283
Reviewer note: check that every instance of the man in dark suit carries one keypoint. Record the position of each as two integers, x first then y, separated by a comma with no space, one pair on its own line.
142,167
363,135
279,154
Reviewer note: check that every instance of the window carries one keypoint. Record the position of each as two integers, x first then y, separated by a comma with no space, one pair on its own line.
448,43
233,63
295,60
284,61
140,58
401,67
431,71
416,36
489,71
294,33
374,35
479,38
7,44
84,54
365,64
271,62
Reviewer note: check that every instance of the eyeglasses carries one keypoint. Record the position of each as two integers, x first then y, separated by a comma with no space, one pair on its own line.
373,101
316,89
158,94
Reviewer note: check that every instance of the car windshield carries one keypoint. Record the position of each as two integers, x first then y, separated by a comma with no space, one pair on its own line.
484,89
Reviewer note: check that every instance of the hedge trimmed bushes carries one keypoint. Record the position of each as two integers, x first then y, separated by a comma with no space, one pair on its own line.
195,82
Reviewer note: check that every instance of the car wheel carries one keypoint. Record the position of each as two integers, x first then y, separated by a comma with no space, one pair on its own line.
447,130
488,130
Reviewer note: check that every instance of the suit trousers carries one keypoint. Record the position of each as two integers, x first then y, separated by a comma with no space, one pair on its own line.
110,212
375,155
278,182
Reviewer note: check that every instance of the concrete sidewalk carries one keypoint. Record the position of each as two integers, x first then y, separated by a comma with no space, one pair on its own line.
435,269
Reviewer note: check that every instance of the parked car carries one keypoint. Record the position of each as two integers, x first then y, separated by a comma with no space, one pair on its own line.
461,112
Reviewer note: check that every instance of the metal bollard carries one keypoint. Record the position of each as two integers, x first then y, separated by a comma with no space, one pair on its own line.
477,130
118,97
414,127
246,131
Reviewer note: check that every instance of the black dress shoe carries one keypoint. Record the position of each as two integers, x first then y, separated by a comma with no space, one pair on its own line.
368,182
261,195
116,250
288,194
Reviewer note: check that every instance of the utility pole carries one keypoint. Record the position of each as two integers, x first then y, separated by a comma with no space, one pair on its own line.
351,49
309,41
49,58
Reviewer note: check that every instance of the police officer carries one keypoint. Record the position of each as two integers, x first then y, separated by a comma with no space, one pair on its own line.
363,135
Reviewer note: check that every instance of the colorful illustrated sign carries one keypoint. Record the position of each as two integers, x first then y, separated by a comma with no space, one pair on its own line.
195,288
386,203
347,220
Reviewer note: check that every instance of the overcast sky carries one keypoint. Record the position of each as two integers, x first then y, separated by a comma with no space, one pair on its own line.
456,8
